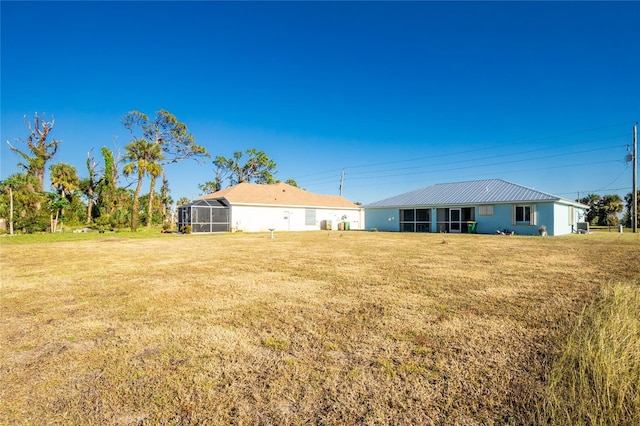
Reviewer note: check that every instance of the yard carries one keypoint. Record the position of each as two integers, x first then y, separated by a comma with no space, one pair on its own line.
306,328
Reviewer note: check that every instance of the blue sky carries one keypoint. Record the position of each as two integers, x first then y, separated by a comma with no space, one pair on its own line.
398,95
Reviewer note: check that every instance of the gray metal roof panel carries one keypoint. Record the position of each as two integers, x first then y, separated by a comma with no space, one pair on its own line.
470,192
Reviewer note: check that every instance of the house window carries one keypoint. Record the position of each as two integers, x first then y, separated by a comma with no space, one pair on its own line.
485,210
407,215
407,227
415,220
309,217
423,215
524,214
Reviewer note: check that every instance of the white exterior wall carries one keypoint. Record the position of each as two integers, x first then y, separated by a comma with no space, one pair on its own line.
251,218
566,218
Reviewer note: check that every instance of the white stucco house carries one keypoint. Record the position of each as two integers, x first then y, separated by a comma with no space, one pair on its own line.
249,207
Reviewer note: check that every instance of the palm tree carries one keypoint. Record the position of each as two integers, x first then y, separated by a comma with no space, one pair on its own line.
143,156
24,201
154,170
182,201
10,184
64,179
591,200
609,206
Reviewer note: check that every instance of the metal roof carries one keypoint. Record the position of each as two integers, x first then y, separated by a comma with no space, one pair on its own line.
472,192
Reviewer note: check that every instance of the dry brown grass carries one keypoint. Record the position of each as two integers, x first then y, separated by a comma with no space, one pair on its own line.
307,328
595,380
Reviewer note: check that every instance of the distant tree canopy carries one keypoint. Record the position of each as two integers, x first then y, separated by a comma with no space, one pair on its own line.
164,130
256,167
182,201
603,210
155,143
628,203
64,179
96,199
251,166
22,203
209,187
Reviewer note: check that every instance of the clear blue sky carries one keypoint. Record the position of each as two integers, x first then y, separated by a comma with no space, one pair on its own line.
399,95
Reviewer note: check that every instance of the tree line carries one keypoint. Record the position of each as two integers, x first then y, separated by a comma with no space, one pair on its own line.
99,199
156,142
604,210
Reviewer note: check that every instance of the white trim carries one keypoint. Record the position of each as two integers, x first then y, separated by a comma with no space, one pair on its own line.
532,215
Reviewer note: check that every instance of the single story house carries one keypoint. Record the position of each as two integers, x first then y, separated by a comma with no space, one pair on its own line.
483,206
252,207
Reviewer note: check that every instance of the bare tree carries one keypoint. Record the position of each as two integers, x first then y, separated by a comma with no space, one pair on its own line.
40,150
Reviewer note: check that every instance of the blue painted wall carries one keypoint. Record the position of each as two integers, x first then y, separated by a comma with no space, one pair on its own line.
554,216
501,219
382,219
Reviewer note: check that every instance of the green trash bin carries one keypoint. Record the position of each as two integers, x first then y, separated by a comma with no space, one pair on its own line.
471,227
347,226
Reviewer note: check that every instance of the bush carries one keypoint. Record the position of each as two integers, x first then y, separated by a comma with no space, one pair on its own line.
186,229
102,223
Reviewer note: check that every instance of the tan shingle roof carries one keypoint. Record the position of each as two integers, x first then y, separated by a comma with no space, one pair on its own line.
280,194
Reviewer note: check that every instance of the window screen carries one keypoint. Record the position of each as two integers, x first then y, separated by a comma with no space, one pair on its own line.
309,217
485,210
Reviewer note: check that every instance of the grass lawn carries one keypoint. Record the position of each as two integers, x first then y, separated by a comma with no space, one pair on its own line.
306,328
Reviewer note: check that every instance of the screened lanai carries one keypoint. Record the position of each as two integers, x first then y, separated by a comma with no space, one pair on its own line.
204,216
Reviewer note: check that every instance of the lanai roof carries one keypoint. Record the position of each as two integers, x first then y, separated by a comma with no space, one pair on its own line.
280,194
463,193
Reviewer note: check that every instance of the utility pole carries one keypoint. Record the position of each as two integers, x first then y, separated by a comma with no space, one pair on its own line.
634,190
341,182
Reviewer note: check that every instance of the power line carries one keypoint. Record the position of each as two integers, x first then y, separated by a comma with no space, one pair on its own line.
391,182
593,191
500,163
385,177
484,148
498,156
376,173
475,175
